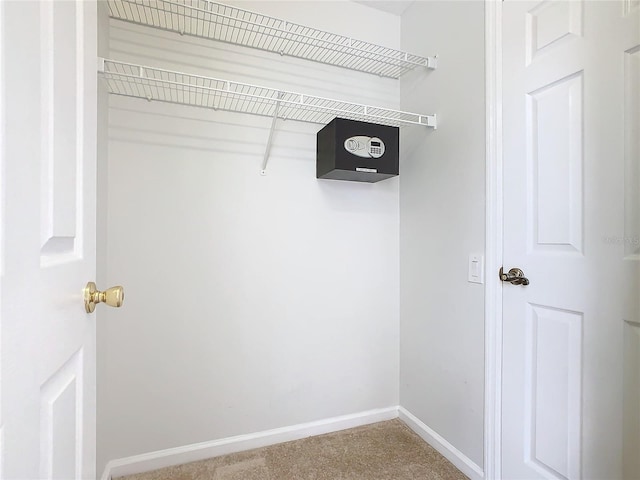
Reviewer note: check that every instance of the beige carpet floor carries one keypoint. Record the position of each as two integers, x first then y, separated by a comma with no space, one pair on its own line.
382,451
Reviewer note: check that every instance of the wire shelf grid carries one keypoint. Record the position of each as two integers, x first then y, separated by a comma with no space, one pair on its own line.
182,88
217,21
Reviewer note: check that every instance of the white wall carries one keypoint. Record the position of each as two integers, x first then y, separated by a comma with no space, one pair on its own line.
441,221
251,302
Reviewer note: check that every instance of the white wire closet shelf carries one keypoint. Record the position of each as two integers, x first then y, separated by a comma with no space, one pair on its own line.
217,21
182,88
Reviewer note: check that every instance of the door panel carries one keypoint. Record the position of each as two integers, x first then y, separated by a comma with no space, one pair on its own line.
48,340
61,137
554,143
571,219
553,385
550,23
61,418
631,400
632,153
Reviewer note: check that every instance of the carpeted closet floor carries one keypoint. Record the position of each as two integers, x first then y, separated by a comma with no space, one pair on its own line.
382,451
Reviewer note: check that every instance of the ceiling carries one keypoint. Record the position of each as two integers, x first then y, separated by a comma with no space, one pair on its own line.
396,7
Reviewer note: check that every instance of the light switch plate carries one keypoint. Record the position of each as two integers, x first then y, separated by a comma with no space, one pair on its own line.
476,268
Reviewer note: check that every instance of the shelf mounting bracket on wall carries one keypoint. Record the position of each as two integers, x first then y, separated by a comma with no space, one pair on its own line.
276,110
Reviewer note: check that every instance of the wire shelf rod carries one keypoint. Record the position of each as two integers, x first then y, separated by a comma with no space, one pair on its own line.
176,87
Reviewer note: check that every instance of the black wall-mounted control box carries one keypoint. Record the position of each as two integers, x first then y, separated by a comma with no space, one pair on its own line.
357,151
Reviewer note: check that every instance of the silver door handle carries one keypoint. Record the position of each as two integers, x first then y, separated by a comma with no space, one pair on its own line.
515,276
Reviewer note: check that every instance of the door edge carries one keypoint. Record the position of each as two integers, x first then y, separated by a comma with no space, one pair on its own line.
493,242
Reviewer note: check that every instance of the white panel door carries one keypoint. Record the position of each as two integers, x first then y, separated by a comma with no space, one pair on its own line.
48,156
571,115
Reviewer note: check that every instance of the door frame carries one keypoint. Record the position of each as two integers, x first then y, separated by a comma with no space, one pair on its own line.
2,210
493,242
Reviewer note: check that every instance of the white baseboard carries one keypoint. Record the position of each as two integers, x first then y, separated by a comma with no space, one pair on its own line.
451,453
200,451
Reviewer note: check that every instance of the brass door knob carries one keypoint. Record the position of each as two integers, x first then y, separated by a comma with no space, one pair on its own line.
114,297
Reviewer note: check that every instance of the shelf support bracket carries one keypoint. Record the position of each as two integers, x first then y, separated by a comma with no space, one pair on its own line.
432,62
430,121
265,160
